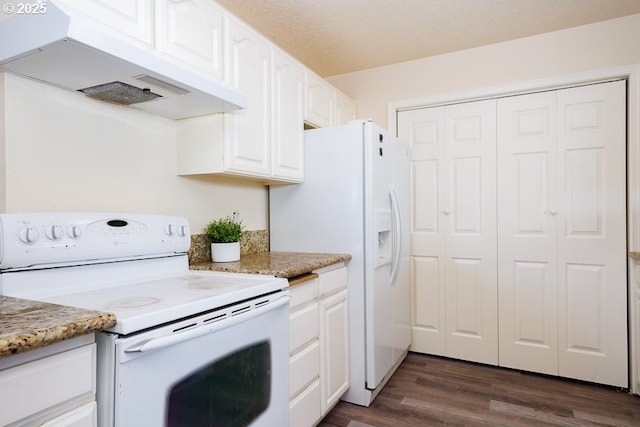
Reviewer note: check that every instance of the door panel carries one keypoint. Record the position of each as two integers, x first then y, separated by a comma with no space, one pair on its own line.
561,210
592,233
424,130
428,330
562,233
453,229
527,232
469,210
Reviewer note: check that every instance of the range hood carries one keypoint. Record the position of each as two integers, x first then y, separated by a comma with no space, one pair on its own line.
66,51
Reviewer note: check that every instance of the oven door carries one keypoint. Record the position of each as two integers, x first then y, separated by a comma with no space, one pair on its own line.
230,372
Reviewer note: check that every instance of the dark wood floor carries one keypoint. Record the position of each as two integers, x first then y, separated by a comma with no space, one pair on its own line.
434,391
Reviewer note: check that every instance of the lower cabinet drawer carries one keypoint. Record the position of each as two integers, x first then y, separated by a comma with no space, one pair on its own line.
303,326
84,416
304,410
44,383
304,367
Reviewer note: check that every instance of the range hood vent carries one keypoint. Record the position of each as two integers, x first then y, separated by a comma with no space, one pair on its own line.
68,52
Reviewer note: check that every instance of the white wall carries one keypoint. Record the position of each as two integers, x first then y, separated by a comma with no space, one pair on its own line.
68,152
589,47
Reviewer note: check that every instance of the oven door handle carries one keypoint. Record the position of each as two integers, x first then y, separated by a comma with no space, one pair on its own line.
169,340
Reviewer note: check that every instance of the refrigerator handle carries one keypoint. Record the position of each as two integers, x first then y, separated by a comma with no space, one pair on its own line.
397,233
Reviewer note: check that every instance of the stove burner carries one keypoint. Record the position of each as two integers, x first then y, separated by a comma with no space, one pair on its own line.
134,302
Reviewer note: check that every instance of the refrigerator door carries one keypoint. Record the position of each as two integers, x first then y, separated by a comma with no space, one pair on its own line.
378,253
402,284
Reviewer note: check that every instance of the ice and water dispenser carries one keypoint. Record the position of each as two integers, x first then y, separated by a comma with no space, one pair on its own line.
382,224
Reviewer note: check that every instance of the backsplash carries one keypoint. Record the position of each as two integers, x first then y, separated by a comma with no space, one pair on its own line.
252,241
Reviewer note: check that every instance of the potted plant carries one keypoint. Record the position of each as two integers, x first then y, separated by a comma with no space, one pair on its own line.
224,234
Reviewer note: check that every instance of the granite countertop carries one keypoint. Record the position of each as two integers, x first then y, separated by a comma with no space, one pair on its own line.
26,325
635,255
279,264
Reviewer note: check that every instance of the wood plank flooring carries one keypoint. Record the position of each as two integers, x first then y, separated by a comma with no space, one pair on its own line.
434,391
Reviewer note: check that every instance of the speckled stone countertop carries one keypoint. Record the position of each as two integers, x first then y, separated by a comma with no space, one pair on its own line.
279,264
26,325
635,255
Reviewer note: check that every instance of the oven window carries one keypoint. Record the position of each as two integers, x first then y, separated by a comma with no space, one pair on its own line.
232,391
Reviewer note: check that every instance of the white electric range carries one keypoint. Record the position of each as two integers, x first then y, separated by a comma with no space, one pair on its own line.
179,333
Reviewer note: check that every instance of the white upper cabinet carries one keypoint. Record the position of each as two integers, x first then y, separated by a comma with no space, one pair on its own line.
287,140
345,109
132,18
326,106
264,141
320,101
247,132
192,32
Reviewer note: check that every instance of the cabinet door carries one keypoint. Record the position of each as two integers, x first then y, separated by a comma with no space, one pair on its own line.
131,17
527,207
247,132
345,110
320,101
287,142
191,31
334,349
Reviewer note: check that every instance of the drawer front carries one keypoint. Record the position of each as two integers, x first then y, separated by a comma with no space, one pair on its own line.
304,410
333,280
303,293
304,367
303,326
36,386
84,416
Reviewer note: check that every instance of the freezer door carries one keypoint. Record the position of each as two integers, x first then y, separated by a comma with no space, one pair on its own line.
378,253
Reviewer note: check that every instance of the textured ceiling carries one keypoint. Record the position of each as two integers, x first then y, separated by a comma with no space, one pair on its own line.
338,36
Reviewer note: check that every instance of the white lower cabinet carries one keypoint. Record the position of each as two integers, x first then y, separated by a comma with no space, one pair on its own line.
318,345
84,416
334,345
51,386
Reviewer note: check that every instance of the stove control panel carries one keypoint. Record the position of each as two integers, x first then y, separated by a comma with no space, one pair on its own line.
36,239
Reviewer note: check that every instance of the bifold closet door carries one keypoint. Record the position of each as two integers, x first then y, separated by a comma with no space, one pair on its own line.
562,232
454,264
592,220
527,242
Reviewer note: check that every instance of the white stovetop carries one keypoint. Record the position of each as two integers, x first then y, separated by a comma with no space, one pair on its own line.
149,303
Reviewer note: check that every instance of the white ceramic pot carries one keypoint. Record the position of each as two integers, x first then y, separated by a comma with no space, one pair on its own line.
225,252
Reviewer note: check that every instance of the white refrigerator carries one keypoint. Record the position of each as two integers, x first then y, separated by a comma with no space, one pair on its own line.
355,200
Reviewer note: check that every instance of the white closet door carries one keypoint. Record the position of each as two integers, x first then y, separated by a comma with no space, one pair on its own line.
468,202
527,214
453,229
592,233
562,233
424,130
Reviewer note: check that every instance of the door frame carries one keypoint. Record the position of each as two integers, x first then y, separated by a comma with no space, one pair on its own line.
631,74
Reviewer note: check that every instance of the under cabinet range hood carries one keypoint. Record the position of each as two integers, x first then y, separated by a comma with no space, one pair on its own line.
66,51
